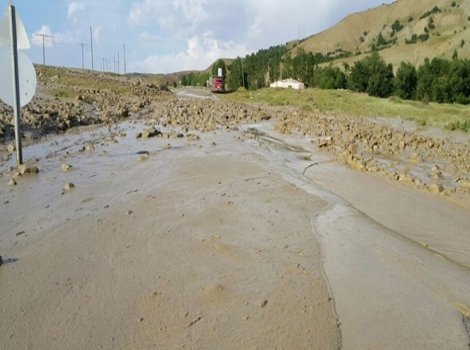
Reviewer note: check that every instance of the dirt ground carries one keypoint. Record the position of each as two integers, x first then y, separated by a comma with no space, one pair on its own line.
209,225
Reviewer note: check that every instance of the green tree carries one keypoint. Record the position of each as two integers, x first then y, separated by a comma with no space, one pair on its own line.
220,63
405,81
330,78
372,75
235,77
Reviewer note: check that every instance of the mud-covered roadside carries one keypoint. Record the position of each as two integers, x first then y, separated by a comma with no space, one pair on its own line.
66,99
70,98
439,164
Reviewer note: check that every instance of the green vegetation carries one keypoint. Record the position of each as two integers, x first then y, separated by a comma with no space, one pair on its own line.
330,78
372,75
405,81
434,10
220,63
444,81
397,26
414,38
195,79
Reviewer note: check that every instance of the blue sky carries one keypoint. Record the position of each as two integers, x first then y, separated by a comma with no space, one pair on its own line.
163,36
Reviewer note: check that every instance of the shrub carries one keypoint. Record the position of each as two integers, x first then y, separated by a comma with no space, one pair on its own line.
413,40
423,37
330,78
397,26
434,10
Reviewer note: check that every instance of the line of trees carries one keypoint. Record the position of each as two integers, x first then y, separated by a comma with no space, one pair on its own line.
439,80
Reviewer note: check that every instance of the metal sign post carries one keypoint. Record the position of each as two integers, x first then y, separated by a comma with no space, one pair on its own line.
16,69
16,85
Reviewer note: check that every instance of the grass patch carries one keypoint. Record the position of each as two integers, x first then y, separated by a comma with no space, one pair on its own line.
62,93
445,116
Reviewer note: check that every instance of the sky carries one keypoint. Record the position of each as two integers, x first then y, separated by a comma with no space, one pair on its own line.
164,36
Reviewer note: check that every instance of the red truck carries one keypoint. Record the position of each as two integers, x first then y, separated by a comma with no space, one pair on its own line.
218,84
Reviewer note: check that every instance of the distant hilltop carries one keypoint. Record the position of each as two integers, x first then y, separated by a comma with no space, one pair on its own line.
407,30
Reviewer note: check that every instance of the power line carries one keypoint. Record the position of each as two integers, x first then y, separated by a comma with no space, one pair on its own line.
44,36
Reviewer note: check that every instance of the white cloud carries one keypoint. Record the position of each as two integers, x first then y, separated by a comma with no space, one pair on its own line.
37,37
73,9
45,33
200,52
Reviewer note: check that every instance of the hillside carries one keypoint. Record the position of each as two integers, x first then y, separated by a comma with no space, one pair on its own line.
406,30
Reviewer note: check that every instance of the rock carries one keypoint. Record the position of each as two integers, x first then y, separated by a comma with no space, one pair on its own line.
66,167
151,132
90,147
24,169
12,182
11,148
68,187
193,137
436,188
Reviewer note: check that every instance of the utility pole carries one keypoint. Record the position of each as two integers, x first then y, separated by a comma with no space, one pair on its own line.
82,45
118,65
91,46
124,46
44,36
102,63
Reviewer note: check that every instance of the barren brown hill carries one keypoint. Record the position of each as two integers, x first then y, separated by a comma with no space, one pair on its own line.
410,30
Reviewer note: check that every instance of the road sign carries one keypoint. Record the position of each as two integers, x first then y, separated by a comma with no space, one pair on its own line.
5,37
19,89
27,76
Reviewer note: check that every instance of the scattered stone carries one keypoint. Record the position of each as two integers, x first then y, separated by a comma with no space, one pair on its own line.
193,137
263,303
68,187
20,233
24,169
12,182
11,148
66,167
90,147
436,188
151,132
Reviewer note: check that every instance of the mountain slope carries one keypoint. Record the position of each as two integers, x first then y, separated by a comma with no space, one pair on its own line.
407,30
